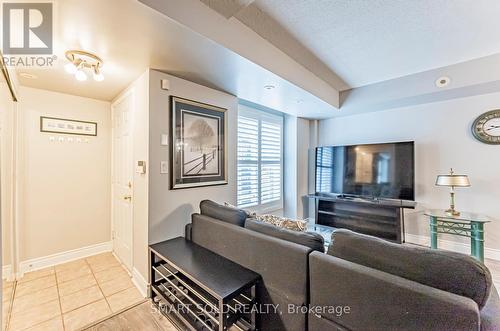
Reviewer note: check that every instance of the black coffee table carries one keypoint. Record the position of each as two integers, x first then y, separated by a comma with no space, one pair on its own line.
200,289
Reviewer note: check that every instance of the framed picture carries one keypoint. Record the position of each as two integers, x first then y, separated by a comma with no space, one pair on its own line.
197,144
66,126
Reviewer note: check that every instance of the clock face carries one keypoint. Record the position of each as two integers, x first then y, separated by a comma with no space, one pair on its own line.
486,128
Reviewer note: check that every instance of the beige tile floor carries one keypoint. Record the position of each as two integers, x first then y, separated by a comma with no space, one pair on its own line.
68,296
79,293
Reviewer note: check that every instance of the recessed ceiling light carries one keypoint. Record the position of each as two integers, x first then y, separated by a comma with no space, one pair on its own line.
269,87
443,81
28,75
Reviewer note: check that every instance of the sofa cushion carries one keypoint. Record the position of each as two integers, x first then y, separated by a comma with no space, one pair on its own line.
449,271
282,265
309,239
223,213
378,300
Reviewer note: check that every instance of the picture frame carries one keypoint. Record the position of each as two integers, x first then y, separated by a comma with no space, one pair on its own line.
197,144
67,126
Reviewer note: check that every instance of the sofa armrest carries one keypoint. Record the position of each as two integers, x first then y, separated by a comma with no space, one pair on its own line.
187,231
381,301
490,314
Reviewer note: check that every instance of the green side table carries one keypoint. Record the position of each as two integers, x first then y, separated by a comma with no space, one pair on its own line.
466,225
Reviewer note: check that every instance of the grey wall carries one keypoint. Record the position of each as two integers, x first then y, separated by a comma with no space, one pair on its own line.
170,210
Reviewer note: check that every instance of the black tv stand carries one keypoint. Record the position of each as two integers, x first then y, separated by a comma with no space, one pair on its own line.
353,197
383,218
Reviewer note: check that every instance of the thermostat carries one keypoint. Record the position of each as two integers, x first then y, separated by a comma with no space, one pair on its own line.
141,167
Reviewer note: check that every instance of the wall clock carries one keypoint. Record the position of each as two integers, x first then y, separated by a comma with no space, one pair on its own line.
486,128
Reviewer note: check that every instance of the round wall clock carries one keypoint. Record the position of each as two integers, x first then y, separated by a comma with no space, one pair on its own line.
486,128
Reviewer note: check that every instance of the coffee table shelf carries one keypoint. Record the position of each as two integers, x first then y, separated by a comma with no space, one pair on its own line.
200,290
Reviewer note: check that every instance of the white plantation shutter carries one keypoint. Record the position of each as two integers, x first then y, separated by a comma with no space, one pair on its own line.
248,162
260,160
324,169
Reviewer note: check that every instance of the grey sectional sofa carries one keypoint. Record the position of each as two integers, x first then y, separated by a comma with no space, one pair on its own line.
361,283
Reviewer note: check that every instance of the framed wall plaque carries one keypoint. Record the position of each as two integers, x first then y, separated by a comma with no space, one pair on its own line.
198,144
67,126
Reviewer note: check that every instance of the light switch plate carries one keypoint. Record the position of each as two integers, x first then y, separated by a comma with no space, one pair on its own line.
165,84
164,139
164,167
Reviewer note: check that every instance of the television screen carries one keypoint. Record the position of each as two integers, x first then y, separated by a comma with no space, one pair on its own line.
372,171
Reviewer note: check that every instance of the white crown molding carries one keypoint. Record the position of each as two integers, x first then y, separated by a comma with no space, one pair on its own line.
63,257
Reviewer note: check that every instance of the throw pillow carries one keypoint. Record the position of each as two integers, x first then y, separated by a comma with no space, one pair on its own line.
283,222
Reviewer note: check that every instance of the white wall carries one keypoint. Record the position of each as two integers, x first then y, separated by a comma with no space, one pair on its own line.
443,139
290,206
65,200
295,167
170,210
311,171
302,167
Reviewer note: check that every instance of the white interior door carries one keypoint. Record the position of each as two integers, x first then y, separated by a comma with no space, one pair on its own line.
122,179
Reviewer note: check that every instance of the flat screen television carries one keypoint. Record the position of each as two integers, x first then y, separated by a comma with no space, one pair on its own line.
367,171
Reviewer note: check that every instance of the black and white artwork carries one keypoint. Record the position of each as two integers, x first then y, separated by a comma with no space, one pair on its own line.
197,144
67,126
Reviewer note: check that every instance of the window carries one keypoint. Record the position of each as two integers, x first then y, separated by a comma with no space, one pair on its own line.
260,160
324,169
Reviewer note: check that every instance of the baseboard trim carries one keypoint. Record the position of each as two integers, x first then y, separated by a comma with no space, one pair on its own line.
63,257
489,253
140,282
7,272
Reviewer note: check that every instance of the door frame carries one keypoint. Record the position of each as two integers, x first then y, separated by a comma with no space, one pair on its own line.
11,122
130,93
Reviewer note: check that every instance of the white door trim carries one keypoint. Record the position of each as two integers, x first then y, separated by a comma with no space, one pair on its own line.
130,93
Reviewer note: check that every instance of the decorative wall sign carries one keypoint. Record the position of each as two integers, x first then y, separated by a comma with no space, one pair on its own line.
66,126
198,144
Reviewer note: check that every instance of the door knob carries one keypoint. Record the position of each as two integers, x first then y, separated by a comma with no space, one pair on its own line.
127,197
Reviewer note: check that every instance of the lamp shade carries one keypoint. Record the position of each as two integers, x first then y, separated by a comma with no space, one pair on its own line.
453,180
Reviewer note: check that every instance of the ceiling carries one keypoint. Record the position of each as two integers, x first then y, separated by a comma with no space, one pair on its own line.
366,42
136,37
316,53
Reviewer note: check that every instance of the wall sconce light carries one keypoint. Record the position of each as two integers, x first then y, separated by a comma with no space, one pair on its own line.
79,61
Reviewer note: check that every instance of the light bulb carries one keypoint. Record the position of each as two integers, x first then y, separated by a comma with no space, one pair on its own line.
70,68
98,77
80,75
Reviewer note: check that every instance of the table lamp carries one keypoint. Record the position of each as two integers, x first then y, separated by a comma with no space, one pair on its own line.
451,180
